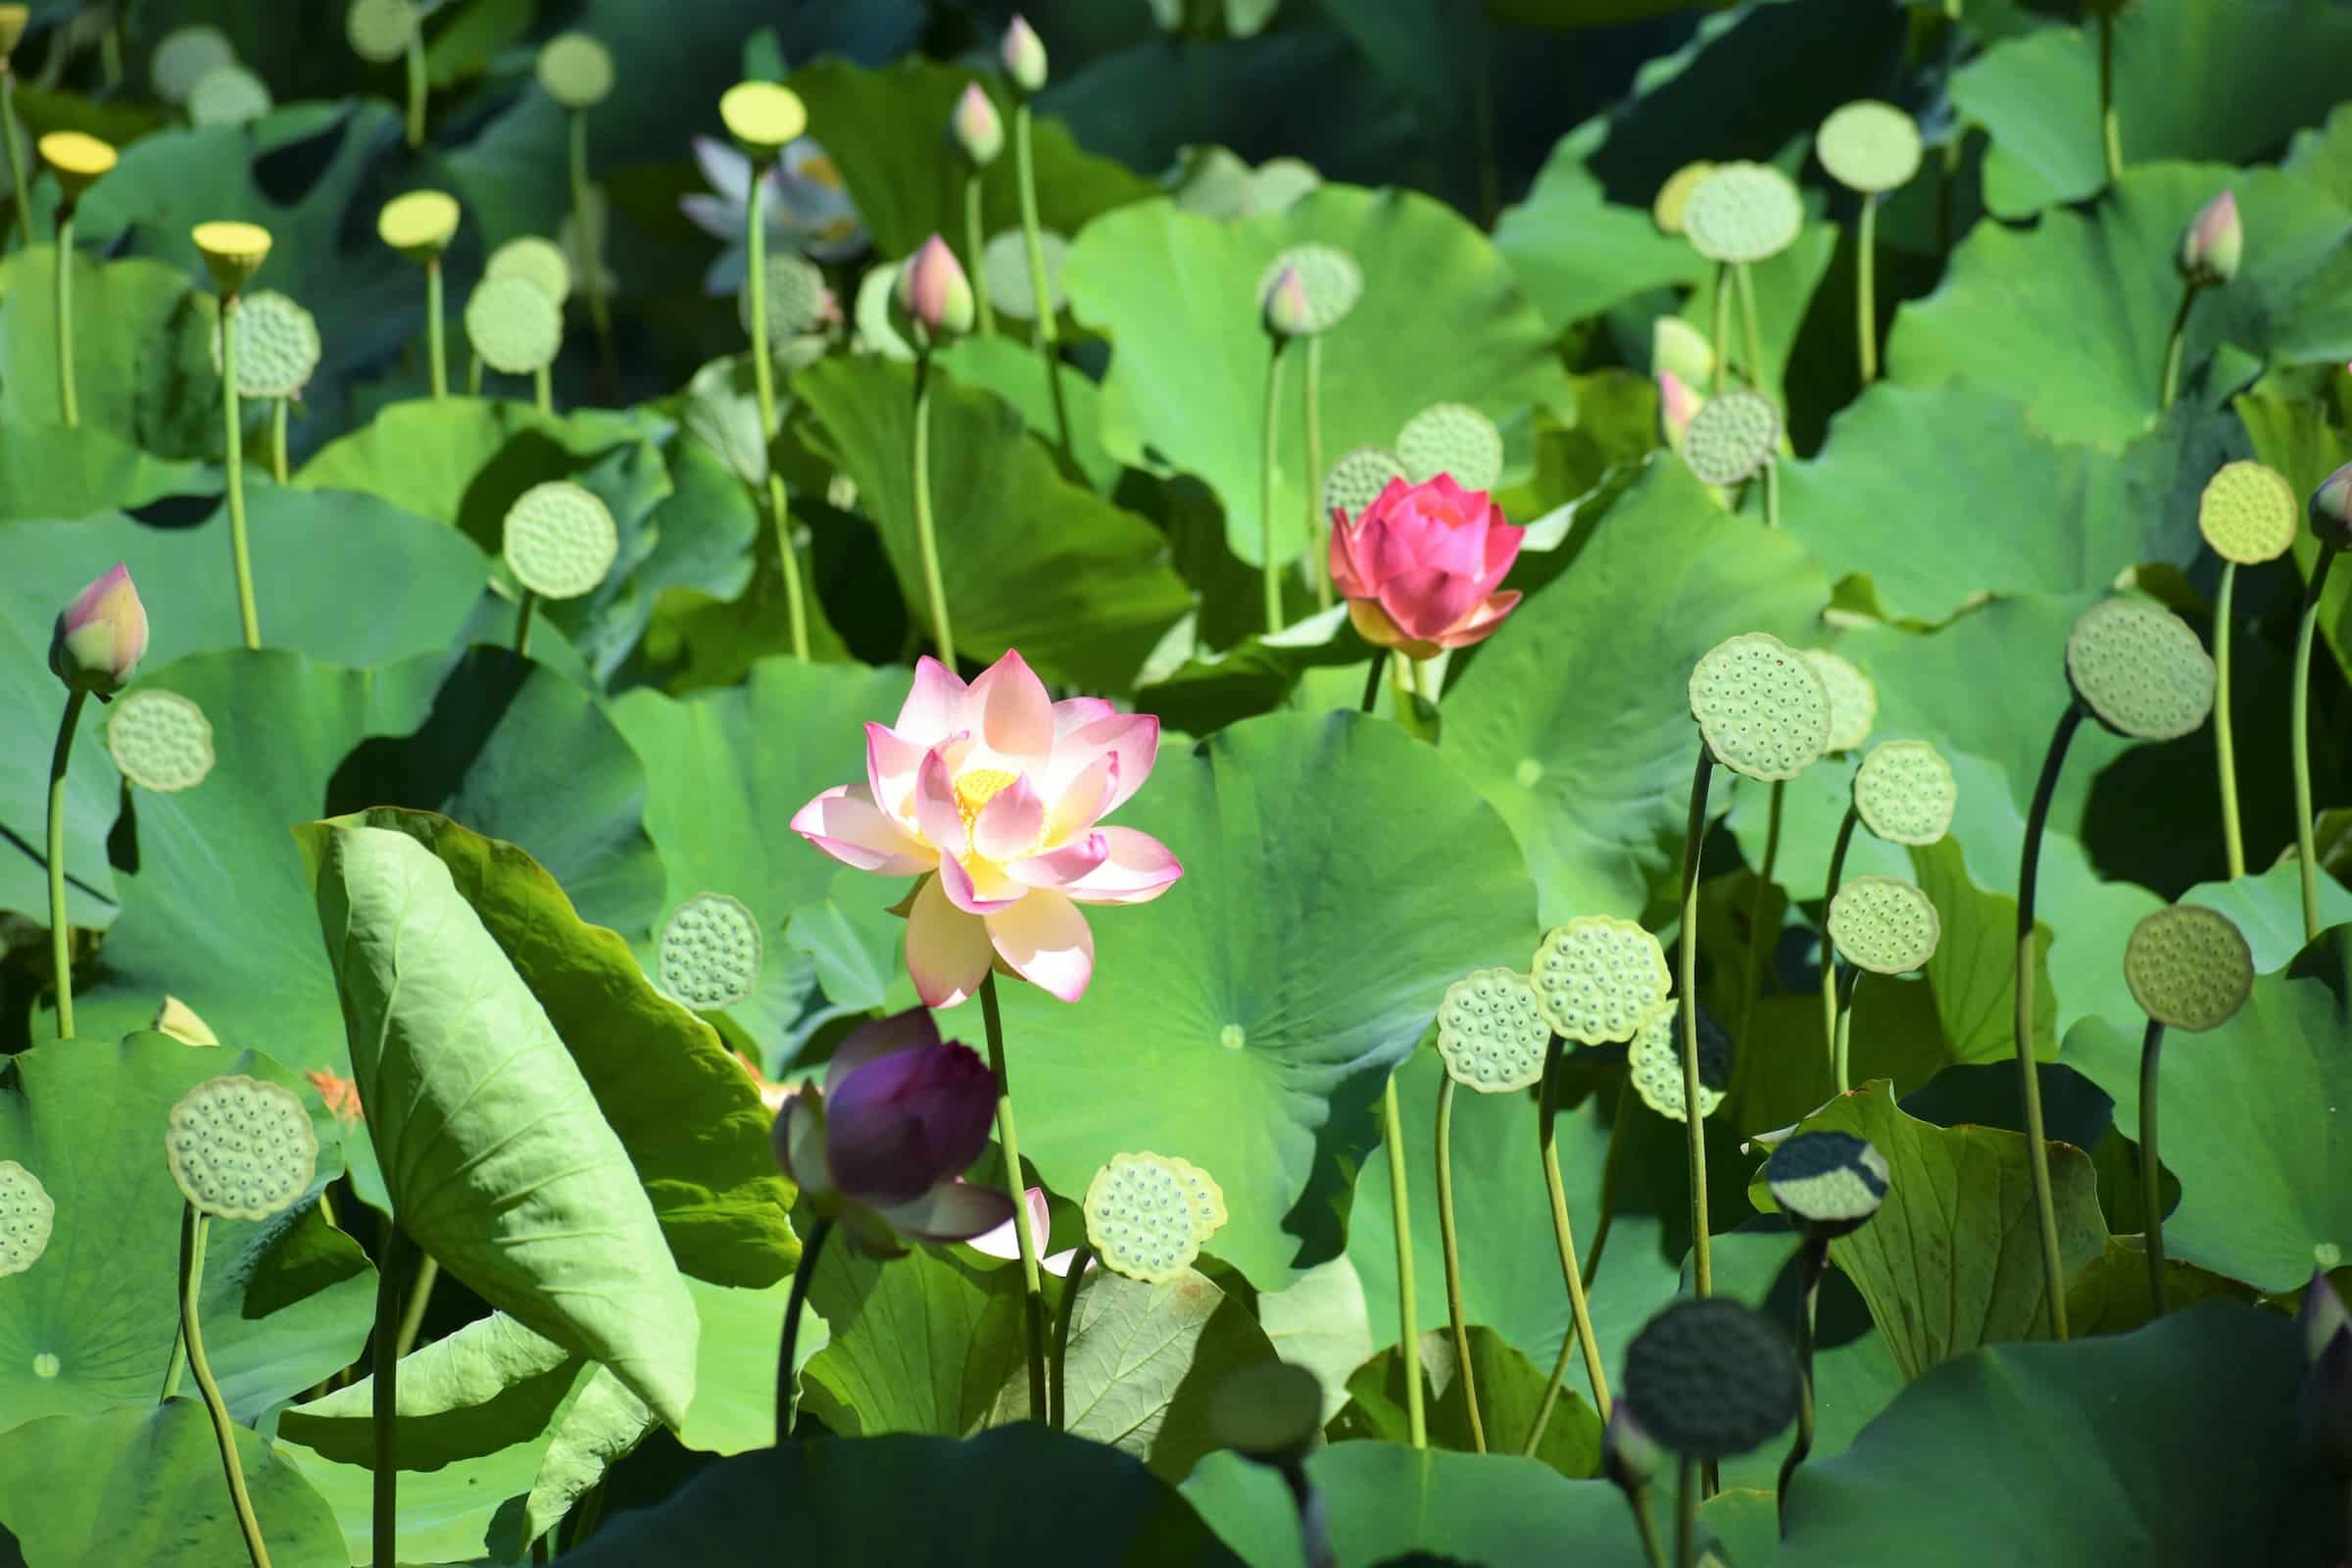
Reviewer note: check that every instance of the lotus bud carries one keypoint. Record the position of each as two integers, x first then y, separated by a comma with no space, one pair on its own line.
1422,566
933,289
2215,241
1677,345
978,130
1288,313
1024,56
101,636
2332,510
906,1121
1678,406
1627,1455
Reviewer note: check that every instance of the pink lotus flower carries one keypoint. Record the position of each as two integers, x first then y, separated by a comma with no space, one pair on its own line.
1422,565
100,637
1001,1243
991,793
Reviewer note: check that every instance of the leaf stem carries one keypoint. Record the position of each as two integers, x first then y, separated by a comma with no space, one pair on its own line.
1450,1242
1033,1294
1081,1259
2225,744
794,1308
2169,390
2151,1170
1653,1552
1315,1521
1686,1517
191,1285
2037,1153
973,248
420,1295
385,1512
17,172
1547,1111
61,929
589,233
415,54
1866,306
1828,951
277,440
2307,853
1723,326
1408,1342
1810,1260
1754,333
65,315
763,384
1702,1277
241,561
1033,241
436,354
1318,547
1372,673
543,391
523,623
1840,1070
2111,130
1271,571
926,541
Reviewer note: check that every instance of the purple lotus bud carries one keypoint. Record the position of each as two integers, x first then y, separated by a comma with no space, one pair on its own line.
899,1125
1288,313
101,636
1024,56
933,289
978,130
2332,510
2211,249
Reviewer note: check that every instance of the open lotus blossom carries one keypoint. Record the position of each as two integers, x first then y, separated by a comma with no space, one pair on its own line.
991,794
806,207
1423,564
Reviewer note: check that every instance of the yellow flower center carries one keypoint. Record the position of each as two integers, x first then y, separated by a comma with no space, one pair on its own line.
977,787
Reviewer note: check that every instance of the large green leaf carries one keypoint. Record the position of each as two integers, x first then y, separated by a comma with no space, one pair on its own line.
142,356
1510,1390
498,1160
1028,559
734,1407
48,471
1255,982
1145,1359
1441,320
925,1343
90,1327
462,460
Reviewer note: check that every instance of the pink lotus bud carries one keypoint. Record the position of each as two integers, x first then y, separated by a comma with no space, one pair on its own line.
933,289
1024,54
2216,240
1288,313
101,636
977,127
1422,566
2332,510
900,1124
1678,406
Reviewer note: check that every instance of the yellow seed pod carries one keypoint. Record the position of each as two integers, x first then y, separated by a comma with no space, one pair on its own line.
762,116
419,224
79,159
233,251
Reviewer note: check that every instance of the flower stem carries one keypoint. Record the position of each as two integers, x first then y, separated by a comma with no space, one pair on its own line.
973,248
1829,954
248,619
277,440
523,623
1272,569
436,354
1314,1517
2307,853
2225,744
1723,326
2170,388
1815,1254
543,391
1080,1260
1653,1552
1033,1294
1408,1341
1752,331
15,155
591,259
420,1295
473,376
385,1513
1686,1517
2111,130
787,1367
64,316
1840,1070
1548,1109
1702,1277
1318,548
1758,944
1450,1242
926,541
191,1285
416,53
2037,1153
61,931
2152,1172
1372,673
1866,307
763,383
1033,241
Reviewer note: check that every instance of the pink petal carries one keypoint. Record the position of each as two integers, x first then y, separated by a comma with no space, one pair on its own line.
901,1031
1073,711
952,1212
1480,623
934,706
799,1137
1046,940
1503,549
1083,799
976,897
1372,623
1426,601
1010,824
1001,1243
1132,738
948,950
1138,869
936,812
1346,575
1007,708
891,762
1057,868
847,824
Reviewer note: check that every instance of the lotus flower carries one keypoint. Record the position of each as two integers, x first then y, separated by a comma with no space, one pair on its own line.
934,290
883,1144
100,637
977,129
1001,1243
1422,565
806,207
991,793
1023,53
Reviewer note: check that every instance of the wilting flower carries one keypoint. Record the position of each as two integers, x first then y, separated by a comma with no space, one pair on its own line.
806,207
991,793
1422,566
1678,406
976,127
2215,241
934,290
883,1144
100,637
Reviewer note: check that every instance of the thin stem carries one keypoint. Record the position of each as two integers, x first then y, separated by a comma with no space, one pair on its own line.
1408,1341
973,249
1829,954
1314,1522
2307,851
1032,240
1580,1312
1866,306
473,376
1702,1277
421,1293
2111,130
60,930
387,1501
1772,492
1618,1118
2037,1153
1686,1517
2225,744
191,1285
1551,1396
1654,1552
1372,673
1839,1071
1815,1254
2169,390
763,383
1723,326
436,352
591,262
1318,548
787,1367
248,619
416,53
17,172
523,623
1756,378
925,540
277,440
1063,1325
543,391
1450,1242
1758,944
2152,1172
1033,1297
1270,439
64,316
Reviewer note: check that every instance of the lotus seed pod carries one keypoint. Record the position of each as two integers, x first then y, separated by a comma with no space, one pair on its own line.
514,325
26,1214
1731,436
1451,438
2332,510
182,58
240,1148
539,260
559,540
1830,1183
1678,406
576,69
159,739
1905,793
277,346
1869,146
1884,924
1357,480
1762,707
976,128
1673,200
1853,699
380,30
1271,1412
1147,1215
710,952
181,1021
1005,273
763,116
232,253
2247,513
1597,978
2189,967
1653,1062
2139,669
2214,243
1676,345
419,225
1491,1032
98,640
1709,1379
934,292
1284,305
78,160
1024,54
1329,277
14,20
799,300
1743,212
228,95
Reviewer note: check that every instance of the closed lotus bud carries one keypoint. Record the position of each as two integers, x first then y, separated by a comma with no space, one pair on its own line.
1627,1455
1288,313
2332,510
978,130
2216,240
1024,54
1678,406
101,636
902,1123
933,289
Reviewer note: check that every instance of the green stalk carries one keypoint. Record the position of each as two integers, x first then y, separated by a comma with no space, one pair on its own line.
1063,1323
2111,130
1372,674
1033,1292
2151,1171
1314,1524
435,350
583,222
64,316
1025,172
522,624
2307,851
1839,1055
543,390
248,619
61,932
1686,1517
2037,1153
1829,954
1272,570
972,247
1408,1341
2171,348
277,440
1652,1551
2225,744
16,154
1318,545
1723,326
416,53
385,1504
1811,1259
411,1316
1451,1243
473,376
1751,330
191,1285
1749,982
1548,1109
763,383
925,539
787,1380
1702,1277
1866,308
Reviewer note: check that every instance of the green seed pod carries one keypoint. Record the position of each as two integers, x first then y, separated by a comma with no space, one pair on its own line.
241,1148
576,69
1357,480
2139,669
182,57
2248,513
1830,1183
419,225
1451,438
709,953
159,739
277,346
380,30
1271,1412
1884,924
1330,276
539,260
1710,1379
1147,1215
2189,967
27,1215
1905,793
799,301
228,95
1732,436
559,540
1743,212
514,325
232,253
1491,1032
1869,146
1005,273
1653,1062
1597,978
1853,699
1761,706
